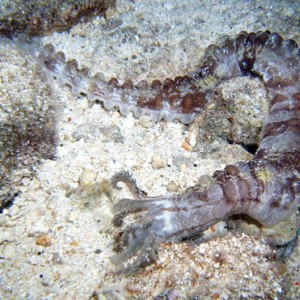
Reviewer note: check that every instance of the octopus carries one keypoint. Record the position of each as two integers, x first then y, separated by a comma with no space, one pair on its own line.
265,188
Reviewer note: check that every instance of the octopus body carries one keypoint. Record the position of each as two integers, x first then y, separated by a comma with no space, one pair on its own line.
266,188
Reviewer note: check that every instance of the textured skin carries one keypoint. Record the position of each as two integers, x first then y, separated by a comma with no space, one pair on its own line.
267,188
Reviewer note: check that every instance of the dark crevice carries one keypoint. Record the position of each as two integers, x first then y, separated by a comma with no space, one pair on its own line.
251,148
7,203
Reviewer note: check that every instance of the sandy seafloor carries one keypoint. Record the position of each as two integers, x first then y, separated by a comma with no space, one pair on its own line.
63,202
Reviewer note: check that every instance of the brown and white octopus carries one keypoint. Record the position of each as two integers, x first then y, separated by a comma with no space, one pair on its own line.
266,188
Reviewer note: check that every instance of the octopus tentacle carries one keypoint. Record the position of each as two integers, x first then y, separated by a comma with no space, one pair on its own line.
126,178
171,99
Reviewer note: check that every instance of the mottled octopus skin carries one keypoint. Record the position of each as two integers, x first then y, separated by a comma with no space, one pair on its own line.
266,188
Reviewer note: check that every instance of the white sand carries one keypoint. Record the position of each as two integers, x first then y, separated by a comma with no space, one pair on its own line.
64,203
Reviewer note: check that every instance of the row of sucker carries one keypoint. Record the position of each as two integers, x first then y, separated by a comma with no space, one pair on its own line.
171,99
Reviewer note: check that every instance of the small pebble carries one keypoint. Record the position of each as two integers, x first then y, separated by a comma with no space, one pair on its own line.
217,265
74,244
84,103
43,240
87,178
172,187
72,216
116,114
157,161
5,211
183,167
186,146
56,276
146,121
193,136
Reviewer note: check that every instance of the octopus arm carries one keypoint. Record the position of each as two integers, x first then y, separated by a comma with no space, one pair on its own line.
256,188
267,188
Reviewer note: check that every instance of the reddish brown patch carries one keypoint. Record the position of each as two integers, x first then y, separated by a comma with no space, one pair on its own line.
230,191
173,99
50,64
182,80
169,84
279,82
275,204
156,84
155,103
128,84
60,56
141,101
261,38
220,176
288,106
84,71
188,103
273,129
232,170
229,45
279,98
113,82
261,186
72,64
241,39
296,96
